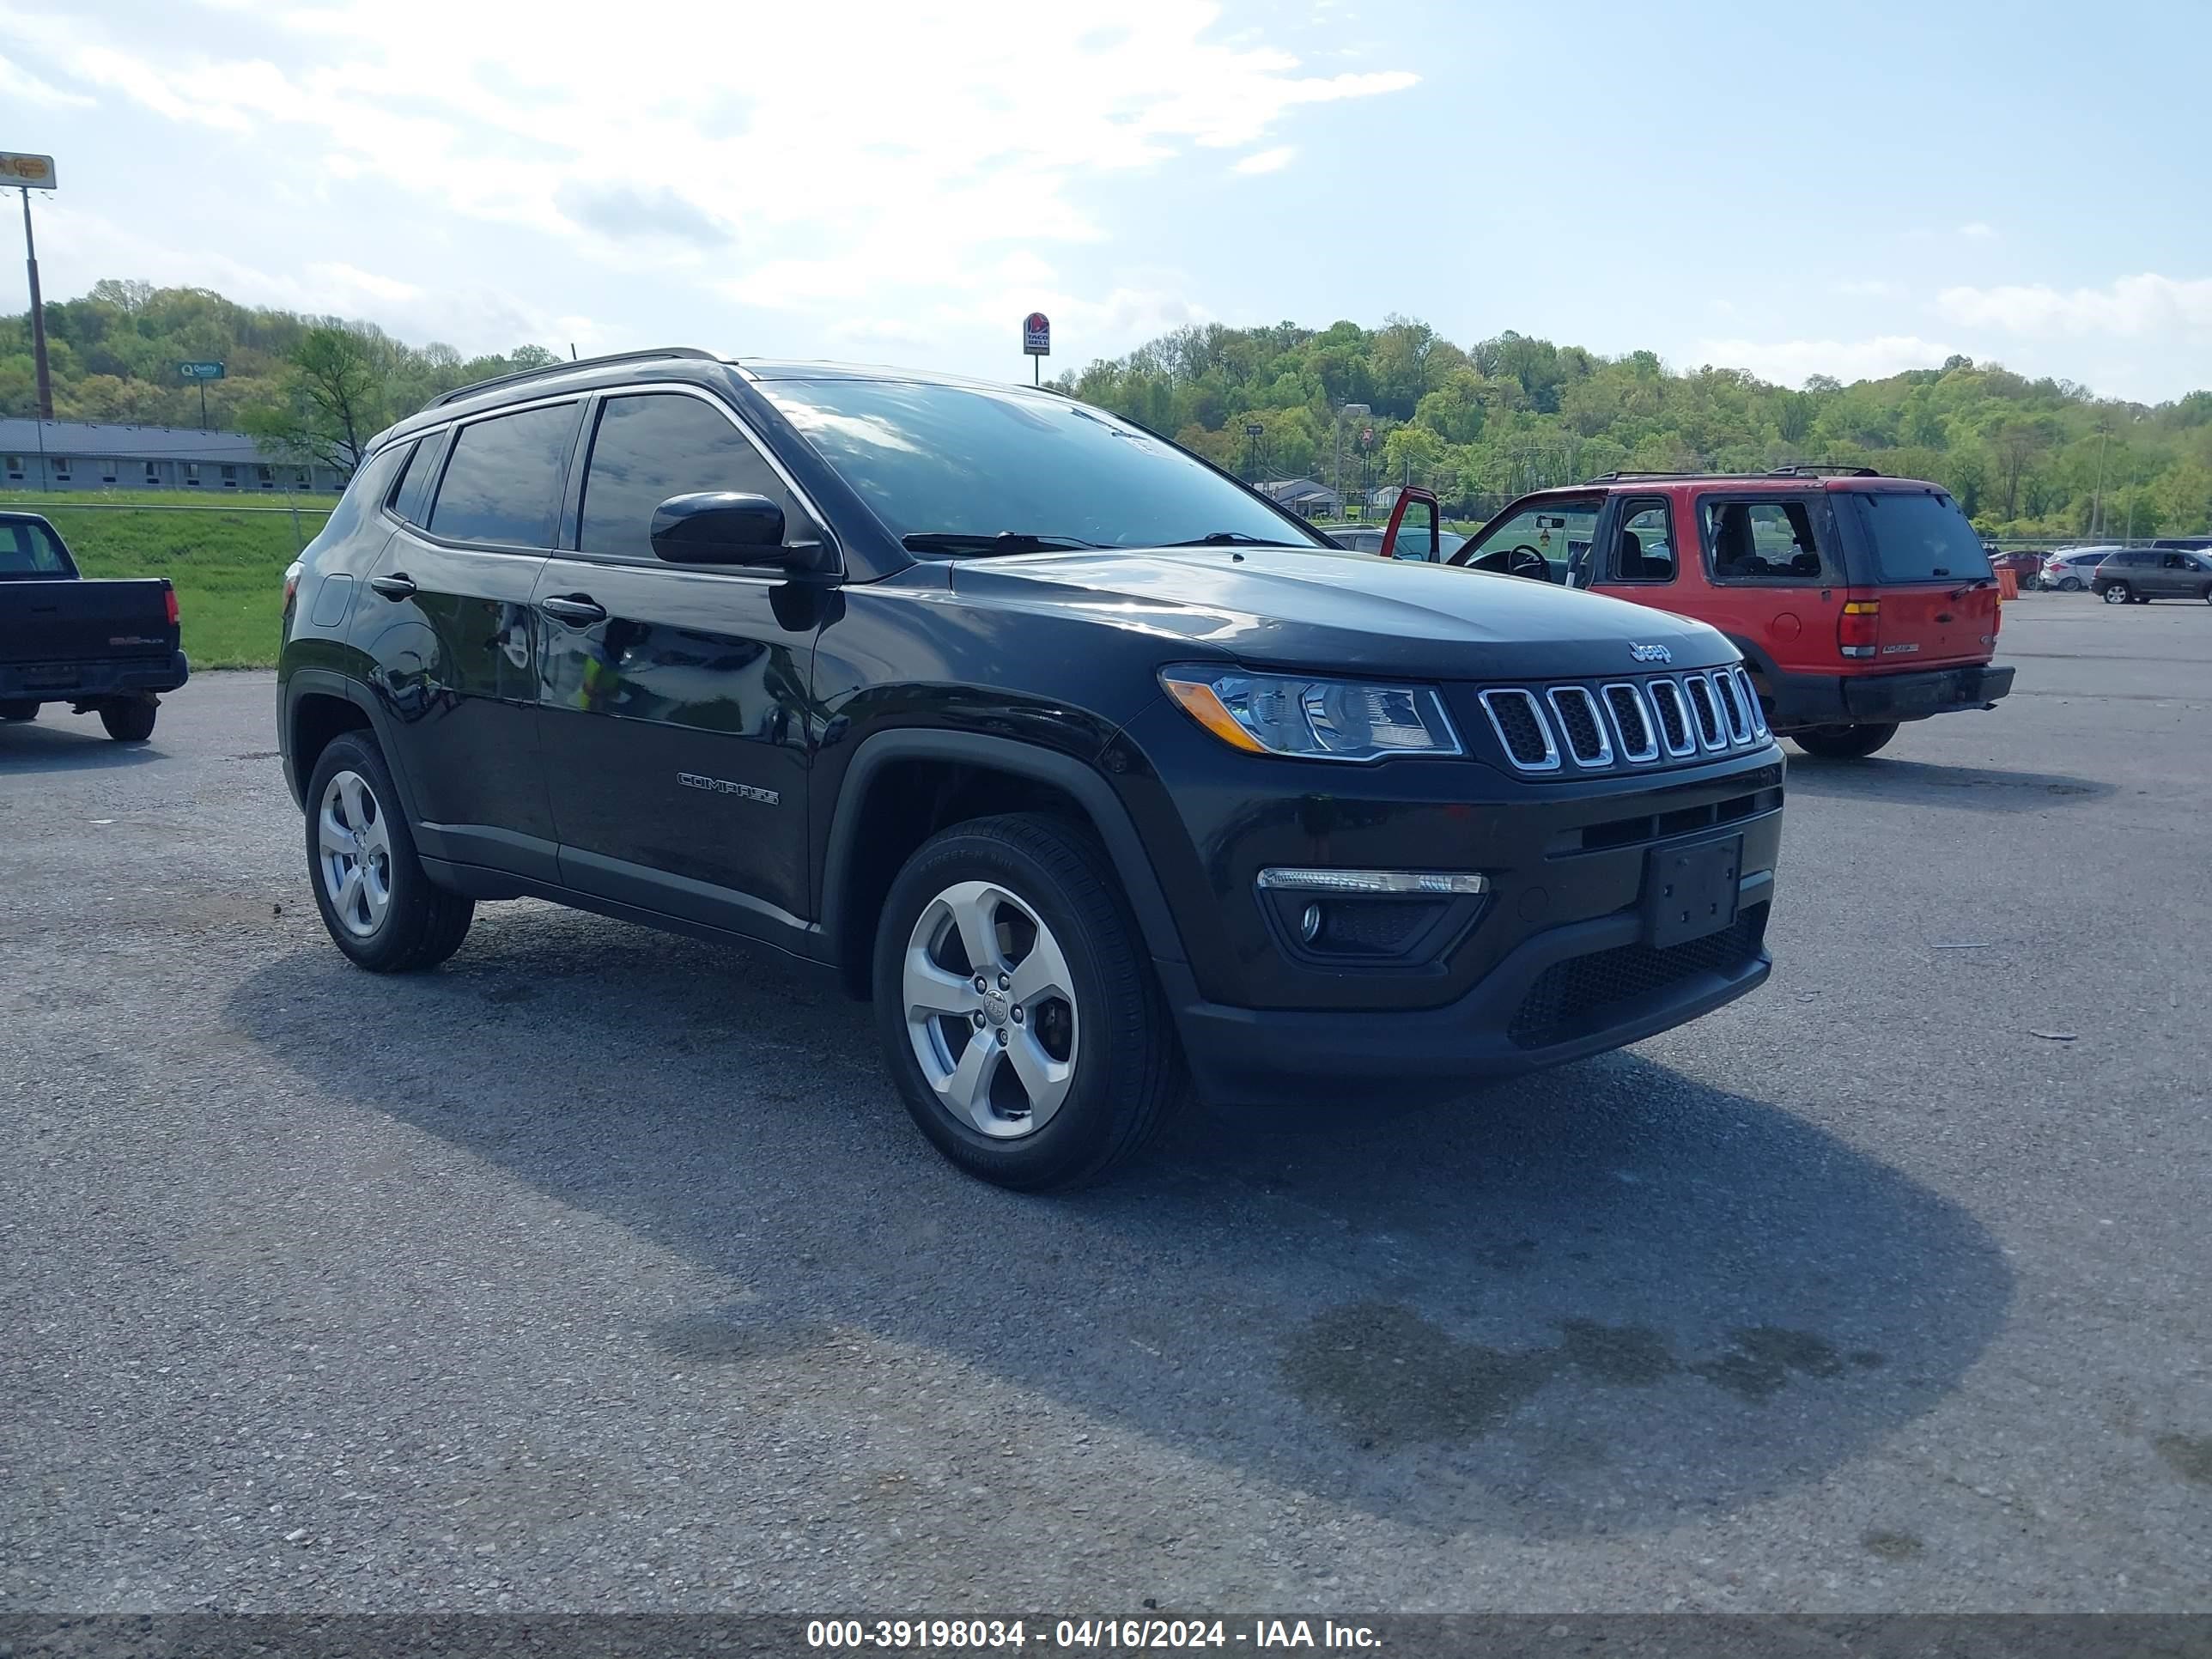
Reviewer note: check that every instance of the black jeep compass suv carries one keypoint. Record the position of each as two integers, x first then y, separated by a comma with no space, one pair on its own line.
1096,771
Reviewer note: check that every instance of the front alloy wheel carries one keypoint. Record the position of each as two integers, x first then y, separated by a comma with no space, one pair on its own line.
1019,1015
355,853
990,1009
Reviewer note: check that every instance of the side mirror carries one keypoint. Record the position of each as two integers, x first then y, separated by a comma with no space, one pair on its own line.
723,526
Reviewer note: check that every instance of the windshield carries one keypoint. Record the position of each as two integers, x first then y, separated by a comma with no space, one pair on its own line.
1920,538
30,552
959,460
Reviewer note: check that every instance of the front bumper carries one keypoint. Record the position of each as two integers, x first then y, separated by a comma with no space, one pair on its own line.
1554,961
1563,994
1803,700
93,681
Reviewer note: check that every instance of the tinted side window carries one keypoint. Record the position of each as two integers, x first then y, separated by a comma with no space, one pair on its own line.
411,499
364,494
661,444
503,483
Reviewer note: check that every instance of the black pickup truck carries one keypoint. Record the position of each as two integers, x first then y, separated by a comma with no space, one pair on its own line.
108,647
1097,772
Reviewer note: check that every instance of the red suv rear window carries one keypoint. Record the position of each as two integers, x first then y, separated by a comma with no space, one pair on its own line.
1918,537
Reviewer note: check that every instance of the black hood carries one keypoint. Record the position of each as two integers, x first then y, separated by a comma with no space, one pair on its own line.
1285,608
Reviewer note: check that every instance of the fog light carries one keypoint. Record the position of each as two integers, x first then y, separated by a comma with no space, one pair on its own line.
1309,924
1373,881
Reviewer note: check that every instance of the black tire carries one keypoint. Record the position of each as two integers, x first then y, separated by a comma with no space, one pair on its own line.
2207,595
2116,593
21,708
2069,584
1127,1067
1843,742
422,924
131,722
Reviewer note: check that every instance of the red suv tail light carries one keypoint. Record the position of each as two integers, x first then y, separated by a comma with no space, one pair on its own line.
1859,628
171,597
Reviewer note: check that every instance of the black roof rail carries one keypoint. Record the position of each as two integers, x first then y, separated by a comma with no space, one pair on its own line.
1824,469
521,374
1623,477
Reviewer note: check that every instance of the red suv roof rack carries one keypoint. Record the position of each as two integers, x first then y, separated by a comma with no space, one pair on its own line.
1824,469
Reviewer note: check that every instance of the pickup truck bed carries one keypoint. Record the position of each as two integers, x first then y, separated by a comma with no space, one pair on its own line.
104,647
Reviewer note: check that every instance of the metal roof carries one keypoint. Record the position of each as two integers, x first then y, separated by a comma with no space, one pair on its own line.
93,439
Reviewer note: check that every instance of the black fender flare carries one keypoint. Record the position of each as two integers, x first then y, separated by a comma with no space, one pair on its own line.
1090,790
324,682
1759,662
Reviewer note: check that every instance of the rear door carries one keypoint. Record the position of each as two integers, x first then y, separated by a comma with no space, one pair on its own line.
675,716
448,622
1774,573
1922,560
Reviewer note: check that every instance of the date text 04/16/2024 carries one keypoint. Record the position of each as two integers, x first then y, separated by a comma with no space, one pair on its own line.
1084,1635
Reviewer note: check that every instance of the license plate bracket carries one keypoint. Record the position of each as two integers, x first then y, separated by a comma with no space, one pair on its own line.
1690,891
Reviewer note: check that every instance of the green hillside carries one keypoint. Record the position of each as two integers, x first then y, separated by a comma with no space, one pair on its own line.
1482,424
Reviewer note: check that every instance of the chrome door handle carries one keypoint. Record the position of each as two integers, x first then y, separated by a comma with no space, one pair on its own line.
397,586
577,609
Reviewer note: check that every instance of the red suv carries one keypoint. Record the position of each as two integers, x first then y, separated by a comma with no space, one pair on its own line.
1859,602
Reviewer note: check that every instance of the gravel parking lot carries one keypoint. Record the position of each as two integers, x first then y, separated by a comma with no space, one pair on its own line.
601,1269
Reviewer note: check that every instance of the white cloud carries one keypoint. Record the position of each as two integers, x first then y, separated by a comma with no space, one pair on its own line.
2145,306
18,85
1788,363
948,134
472,316
1976,229
348,279
1266,160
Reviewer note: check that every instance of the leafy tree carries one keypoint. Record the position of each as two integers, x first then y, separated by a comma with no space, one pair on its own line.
334,399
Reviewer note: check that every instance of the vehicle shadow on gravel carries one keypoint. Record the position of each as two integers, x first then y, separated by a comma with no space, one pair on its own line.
1922,783
28,749
1605,1298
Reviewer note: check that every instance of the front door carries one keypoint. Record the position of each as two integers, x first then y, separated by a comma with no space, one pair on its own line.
448,625
674,714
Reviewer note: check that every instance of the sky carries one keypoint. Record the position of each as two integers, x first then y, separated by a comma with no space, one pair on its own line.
1788,189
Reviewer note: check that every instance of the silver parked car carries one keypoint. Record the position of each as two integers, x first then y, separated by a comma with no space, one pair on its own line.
1367,538
2070,569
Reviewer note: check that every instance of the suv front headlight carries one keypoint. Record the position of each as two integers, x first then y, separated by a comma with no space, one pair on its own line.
1313,719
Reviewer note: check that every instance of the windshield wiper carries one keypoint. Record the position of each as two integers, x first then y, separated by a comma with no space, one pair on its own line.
1006,541
1229,538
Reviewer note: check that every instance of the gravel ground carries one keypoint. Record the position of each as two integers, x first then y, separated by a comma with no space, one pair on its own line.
601,1269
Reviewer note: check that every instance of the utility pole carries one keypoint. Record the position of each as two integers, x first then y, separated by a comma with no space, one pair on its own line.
38,317
1362,410
2097,502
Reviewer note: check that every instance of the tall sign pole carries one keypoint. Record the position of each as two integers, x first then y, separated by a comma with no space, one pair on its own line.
27,173
203,373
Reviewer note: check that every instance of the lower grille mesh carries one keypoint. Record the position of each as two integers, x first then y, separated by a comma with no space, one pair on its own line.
1578,996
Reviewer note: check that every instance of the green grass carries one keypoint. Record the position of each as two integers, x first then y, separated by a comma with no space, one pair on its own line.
228,565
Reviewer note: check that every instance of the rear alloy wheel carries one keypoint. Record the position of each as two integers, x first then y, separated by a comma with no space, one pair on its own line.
1018,1015
21,708
377,902
2118,593
2069,584
130,722
1843,742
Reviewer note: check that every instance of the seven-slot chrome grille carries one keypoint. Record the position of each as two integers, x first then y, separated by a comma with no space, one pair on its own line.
1618,724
